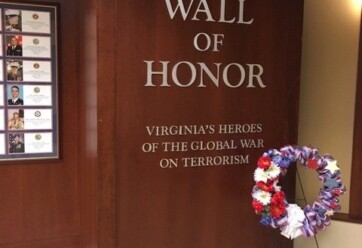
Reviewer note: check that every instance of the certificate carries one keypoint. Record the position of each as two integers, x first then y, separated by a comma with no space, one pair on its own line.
36,21
38,119
36,46
37,95
37,71
38,142
2,119
2,144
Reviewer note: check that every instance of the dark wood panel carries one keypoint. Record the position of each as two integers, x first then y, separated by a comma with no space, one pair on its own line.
45,203
292,73
87,128
355,209
106,99
200,207
68,242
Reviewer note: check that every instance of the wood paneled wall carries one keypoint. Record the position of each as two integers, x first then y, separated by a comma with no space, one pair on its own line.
55,204
105,192
204,206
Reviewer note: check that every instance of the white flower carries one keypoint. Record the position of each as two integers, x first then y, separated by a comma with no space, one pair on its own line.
295,222
262,196
329,212
260,175
273,171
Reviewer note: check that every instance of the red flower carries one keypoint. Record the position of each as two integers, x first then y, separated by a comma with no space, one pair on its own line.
333,205
265,186
264,162
280,196
258,206
277,199
336,192
277,205
312,164
277,210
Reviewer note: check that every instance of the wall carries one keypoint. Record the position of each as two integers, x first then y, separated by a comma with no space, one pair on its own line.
339,234
329,70
202,206
54,203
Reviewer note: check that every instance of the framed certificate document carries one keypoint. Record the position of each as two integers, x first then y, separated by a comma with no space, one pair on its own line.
36,46
29,122
36,21
37,95
37,71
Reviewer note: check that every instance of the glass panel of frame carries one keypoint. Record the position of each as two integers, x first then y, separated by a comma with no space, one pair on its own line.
28,82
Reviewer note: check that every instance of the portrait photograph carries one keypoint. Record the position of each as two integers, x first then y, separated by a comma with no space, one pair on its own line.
14,45
1,45
13,20
15,95
15,119
2,95
16,143
1,70
1,20
14,70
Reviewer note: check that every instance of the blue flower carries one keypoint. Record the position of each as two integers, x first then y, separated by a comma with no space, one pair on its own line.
277,159
270,152
285,163
265,220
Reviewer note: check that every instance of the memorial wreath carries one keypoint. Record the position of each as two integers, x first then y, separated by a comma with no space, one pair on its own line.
270,202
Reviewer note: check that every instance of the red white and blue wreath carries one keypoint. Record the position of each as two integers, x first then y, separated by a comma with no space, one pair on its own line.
270,202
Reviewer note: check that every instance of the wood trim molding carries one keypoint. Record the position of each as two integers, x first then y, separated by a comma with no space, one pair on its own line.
89,171
106,111
346,218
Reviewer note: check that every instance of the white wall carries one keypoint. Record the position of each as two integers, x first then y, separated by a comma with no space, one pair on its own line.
338,235
329,70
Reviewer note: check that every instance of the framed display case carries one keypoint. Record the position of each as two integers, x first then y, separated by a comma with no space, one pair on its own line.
29,121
